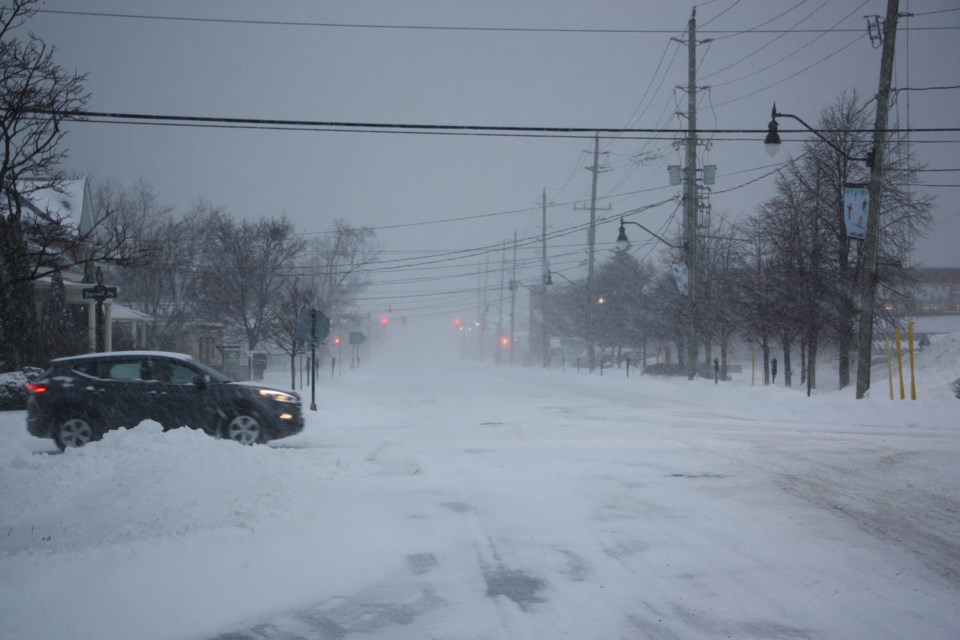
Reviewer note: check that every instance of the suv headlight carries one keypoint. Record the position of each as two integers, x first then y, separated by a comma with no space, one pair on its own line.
278,396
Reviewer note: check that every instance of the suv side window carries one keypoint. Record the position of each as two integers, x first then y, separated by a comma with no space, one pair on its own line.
169,371
123,370
181,373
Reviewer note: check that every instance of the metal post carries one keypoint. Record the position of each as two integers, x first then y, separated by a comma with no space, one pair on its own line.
313,359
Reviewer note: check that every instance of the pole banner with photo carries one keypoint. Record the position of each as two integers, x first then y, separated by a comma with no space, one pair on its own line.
680,275
856,203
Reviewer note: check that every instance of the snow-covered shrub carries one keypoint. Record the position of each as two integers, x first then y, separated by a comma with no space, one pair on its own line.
13,387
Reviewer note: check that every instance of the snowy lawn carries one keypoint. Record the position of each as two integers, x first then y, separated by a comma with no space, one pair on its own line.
472,502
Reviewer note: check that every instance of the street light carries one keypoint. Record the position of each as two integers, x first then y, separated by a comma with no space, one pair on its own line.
772,142
623,243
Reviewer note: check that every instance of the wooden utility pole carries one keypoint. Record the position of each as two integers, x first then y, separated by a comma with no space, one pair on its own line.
690,198
592,242
869,286
513,299
545,338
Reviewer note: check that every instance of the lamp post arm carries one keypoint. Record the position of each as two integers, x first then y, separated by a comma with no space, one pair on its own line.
777,114
557,273
669,244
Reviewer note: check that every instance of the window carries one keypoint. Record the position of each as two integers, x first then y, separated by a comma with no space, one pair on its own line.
123,370
181,373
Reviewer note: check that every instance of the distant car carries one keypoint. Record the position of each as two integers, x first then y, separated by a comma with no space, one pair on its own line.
80,398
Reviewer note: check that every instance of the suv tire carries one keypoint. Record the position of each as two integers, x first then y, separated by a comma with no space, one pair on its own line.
74,429
245,427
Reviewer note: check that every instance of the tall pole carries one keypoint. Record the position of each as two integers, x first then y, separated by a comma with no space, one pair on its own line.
869,287
591,240
513,298
483,310
545,339
503,271
690,198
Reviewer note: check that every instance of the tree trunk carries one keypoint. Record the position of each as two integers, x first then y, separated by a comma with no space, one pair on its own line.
812,361
724,344
846,343
787,347
803,359
765,349
16,300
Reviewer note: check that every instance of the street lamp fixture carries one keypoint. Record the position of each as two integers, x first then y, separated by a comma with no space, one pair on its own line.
772,142
623,242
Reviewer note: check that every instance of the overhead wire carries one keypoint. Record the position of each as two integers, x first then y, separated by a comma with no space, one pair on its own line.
409,27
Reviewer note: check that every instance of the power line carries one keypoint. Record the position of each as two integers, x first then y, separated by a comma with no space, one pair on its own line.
469,129
420,27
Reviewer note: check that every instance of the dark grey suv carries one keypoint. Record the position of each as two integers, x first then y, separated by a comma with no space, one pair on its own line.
78,399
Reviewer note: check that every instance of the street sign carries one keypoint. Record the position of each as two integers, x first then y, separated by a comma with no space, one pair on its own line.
357,337
99,293
314,326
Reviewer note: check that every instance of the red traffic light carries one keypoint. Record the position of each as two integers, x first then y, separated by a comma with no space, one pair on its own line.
505,342
384,320
458,323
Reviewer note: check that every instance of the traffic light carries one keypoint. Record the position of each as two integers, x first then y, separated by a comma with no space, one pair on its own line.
505,341
336,340
384,321
458,323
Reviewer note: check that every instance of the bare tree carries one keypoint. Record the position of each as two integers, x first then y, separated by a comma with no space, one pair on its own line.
338,262
33,89
297,295
243,271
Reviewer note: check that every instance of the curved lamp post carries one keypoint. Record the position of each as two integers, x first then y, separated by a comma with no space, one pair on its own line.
772,142
623,242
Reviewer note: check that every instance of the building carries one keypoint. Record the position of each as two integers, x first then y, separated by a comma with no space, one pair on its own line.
937,290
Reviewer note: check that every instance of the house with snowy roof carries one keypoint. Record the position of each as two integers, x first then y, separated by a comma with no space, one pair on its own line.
70,205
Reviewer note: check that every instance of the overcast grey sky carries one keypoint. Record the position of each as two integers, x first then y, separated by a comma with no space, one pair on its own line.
577,77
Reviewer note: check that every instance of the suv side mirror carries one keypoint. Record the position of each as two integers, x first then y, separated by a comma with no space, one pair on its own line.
201,382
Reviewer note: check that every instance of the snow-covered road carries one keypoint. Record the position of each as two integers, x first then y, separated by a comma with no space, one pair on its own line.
477,502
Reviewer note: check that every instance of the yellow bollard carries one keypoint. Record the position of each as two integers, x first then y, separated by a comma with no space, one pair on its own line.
913,380
890,367
903,393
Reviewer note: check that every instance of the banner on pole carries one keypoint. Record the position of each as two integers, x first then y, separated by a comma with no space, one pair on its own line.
856,205
680,275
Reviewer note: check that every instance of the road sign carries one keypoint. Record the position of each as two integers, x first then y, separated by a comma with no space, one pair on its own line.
357,337
99,293
314,326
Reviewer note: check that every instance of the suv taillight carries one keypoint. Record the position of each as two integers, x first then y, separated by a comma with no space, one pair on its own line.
37,388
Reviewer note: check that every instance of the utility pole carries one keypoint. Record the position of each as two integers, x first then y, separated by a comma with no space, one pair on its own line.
513,298
481,334
592,241
545,338
503,270
869,287
690,198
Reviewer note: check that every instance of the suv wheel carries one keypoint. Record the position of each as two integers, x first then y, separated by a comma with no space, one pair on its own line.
74,430
244,427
